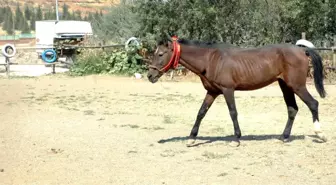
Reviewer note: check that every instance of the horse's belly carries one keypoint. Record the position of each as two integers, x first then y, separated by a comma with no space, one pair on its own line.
254,85
259,76
255,81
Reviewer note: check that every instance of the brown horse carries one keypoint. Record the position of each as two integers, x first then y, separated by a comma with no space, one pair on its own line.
225,68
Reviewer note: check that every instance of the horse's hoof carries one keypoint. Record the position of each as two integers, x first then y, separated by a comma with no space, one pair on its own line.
191,142
285,140
235,143
321,136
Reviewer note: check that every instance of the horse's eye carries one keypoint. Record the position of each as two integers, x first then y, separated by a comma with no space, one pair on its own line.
161,54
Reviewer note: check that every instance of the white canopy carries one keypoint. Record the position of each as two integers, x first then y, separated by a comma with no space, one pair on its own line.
304,42
73,28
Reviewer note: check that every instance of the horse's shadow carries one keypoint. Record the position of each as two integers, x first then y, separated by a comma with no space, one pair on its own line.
212,139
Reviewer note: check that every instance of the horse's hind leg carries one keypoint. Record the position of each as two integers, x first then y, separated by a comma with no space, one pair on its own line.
230,101
292,108
312,104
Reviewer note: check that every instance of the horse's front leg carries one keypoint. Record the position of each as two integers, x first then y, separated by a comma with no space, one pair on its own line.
207,102
230,101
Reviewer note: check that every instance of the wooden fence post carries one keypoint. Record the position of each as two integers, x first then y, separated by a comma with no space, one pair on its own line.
334,52
171,74
8,67
303,35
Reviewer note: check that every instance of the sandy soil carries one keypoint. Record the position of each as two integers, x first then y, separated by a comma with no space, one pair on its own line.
113,130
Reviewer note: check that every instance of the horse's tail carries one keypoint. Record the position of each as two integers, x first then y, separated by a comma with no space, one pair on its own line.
318,71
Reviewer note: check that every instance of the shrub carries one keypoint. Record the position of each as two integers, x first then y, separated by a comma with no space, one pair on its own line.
117,61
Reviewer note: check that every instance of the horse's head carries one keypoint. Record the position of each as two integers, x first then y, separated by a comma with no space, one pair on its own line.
166,56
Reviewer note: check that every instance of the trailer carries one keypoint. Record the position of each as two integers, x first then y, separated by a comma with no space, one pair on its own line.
62,36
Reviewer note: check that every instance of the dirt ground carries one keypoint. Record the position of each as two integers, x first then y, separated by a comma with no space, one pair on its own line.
117,130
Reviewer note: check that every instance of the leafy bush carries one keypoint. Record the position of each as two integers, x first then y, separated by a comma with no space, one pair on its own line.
117,61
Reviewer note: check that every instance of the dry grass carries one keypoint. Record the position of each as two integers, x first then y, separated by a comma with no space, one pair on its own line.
109,130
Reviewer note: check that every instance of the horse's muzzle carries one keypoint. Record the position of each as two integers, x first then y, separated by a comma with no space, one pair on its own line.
152,78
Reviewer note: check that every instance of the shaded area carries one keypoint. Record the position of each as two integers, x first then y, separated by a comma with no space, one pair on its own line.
211,139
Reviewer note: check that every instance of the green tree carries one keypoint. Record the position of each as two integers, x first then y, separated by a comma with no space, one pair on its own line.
8,24
39,14
46,15
309,18
2,14
49,15
243,22
331,19
32,21
97,16
119,24
27,12
78,15
65,12
26,27
19,18
71,16
85,18
90,17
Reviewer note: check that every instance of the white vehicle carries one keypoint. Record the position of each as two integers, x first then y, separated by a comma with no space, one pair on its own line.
45,34
53,34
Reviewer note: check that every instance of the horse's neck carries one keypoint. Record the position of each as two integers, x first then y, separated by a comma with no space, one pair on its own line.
194,58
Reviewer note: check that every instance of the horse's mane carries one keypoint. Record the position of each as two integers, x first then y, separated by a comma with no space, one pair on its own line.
205,44
196,42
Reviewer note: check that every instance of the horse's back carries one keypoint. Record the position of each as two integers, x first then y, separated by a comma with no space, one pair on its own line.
253,68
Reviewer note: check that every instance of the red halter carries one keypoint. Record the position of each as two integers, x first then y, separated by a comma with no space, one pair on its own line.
175,58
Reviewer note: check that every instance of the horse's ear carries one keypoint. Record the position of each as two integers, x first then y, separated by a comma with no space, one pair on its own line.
168,37
170,45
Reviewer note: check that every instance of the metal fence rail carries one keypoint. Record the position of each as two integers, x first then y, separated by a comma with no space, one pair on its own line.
51,48
72,47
